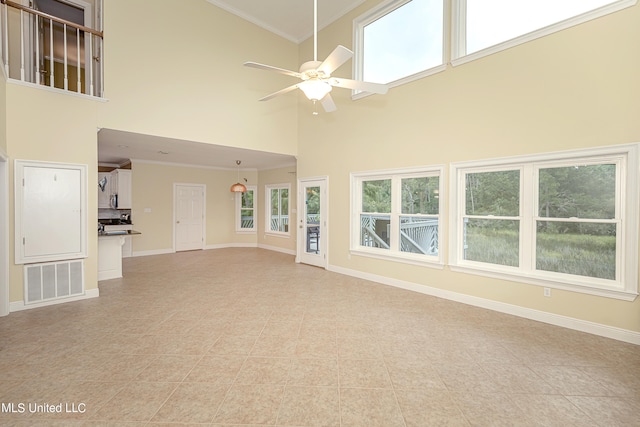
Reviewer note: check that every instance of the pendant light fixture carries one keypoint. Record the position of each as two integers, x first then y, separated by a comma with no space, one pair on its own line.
238,187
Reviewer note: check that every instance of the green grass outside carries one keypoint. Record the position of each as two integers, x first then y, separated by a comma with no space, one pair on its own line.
578,254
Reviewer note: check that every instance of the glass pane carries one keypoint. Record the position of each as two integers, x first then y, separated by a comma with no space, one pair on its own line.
376,196
420,195
493,193
578,191
583,249
246,220
275,205
247,199
490,22
312,204
374,231
405,41
419,235
493,241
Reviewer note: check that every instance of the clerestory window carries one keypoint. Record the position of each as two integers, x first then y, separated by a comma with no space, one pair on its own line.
400,41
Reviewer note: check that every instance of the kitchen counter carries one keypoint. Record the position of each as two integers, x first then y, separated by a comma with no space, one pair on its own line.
118,233
110,253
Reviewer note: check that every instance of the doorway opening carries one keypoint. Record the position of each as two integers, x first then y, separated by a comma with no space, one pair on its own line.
312,236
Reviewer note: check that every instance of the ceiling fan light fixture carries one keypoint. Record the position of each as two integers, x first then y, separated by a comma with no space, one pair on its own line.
315,90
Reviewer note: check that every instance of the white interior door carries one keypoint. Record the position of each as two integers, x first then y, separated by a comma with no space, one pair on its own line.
189,216
312,222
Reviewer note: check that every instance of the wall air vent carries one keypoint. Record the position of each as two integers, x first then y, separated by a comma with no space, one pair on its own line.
53,280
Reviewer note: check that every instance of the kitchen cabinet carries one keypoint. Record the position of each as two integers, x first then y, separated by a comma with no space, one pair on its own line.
104,195
121,187
110,257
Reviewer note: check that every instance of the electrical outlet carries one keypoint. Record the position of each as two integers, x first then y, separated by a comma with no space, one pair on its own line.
547,292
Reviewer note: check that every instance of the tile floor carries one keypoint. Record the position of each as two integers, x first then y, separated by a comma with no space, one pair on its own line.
247,337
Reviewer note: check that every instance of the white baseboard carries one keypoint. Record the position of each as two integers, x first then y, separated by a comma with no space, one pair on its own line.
231,245
527,313
20,305
277,249
153,252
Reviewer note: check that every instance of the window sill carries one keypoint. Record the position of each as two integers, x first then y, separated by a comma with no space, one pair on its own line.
548,282
431,262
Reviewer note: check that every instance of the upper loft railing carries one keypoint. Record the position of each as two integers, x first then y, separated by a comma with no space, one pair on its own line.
46,50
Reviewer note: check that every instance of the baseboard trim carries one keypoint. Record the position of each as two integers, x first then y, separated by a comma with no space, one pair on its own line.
593,328
231,245
153,252
277,249
20,305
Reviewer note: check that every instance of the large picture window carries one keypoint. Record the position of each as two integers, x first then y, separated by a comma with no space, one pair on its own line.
277,208
397,214
563,220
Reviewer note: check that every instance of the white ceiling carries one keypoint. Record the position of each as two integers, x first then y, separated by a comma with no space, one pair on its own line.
291,19
117,147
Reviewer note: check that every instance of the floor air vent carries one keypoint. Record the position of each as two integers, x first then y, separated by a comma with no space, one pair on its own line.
53,280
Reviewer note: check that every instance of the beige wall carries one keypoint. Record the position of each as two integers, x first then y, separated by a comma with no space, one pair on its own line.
152,189
174,69
285,175
65,132
576,88
3,112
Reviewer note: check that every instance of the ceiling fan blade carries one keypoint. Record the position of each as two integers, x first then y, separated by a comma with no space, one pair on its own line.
280,92
339,56
358,85
270,68
328,104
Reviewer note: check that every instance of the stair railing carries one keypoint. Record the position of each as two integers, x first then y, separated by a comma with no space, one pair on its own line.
30,49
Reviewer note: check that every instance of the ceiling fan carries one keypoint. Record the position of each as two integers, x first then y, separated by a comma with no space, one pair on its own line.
316,75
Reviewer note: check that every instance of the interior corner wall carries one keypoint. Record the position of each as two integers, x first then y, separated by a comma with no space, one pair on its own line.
577,88
286,244
175,69
53,127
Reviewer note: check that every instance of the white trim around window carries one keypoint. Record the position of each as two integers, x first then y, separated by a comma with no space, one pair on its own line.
459,30
385,8
394,234
622,284
277,217
247,224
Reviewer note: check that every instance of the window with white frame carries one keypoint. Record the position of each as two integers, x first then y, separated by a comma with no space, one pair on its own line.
403,40
482,27
396,214
565,220
277,208
246,221
400,41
